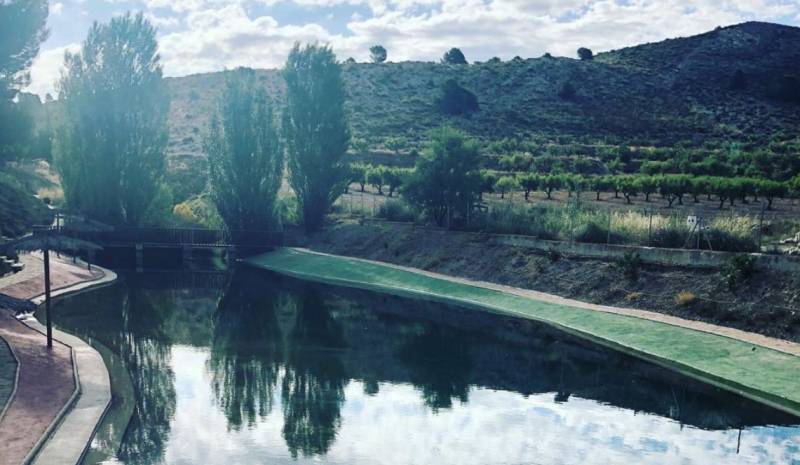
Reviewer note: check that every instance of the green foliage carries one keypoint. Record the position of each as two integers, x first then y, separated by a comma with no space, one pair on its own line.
529,183
245,155
395,144
359,145
585,54
456,100
316,130
394,178
551,182
377,53
629,264
454,56
16,131
358,173
19,209
396,210
740,269
446,183
504,185
567,91
22,30
198,211
375,175
110,151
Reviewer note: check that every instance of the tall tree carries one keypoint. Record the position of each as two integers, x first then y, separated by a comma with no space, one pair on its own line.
377,53
447,181
110,150
316,130
454,56
22,30
245,154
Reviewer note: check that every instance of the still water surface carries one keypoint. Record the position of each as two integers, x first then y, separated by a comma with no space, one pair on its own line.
252,368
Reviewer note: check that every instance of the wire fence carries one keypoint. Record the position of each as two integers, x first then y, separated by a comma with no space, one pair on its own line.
578,220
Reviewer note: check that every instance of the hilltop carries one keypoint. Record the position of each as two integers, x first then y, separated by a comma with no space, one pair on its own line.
736,83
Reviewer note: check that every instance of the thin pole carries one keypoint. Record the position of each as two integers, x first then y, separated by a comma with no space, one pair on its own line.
761,226
47,297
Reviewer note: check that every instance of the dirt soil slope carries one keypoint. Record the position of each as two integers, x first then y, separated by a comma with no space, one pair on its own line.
767,303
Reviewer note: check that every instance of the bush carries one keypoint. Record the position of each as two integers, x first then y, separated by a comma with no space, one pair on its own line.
727,242
670,237
593,233
456,100
395,210
585,54
567,91
740,269
454,56
630,263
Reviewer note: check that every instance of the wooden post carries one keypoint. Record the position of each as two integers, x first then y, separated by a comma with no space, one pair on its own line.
47,297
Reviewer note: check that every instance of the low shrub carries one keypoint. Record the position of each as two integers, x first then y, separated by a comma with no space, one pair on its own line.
740,269
630,263
593,233
669,237
727,241
395,210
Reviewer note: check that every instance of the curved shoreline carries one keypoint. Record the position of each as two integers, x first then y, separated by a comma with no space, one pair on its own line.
72,431
67,437
746,367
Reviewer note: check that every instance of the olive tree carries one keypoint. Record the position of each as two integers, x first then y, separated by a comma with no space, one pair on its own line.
110,149
315,130
245,155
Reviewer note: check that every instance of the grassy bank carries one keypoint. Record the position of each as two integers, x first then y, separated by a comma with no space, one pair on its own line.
756,372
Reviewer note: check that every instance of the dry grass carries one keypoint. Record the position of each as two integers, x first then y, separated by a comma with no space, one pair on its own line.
685,298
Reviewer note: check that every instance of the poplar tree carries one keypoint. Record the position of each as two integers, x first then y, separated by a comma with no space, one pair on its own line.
315,130
110,150
245,155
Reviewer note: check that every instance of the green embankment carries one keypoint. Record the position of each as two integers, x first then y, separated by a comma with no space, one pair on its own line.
762,374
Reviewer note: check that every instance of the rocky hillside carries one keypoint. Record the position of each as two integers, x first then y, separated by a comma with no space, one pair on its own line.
738,83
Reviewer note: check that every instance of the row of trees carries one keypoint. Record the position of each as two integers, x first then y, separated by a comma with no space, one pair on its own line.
110,151
446,183
379,176
670,187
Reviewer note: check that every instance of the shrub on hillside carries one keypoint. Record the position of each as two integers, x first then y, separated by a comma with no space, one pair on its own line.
454,56
396,210
456,100
585,54
566,91
377,53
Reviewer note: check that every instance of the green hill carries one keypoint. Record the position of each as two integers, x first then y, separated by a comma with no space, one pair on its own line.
738,83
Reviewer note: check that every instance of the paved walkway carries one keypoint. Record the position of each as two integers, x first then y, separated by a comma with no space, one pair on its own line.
755,366
44,405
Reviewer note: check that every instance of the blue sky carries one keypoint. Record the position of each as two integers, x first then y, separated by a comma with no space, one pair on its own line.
210,35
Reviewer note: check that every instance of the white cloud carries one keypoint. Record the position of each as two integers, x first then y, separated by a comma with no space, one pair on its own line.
47,69
209,35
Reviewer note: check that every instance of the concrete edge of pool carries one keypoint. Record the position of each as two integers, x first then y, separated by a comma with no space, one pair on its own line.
70,433
754,371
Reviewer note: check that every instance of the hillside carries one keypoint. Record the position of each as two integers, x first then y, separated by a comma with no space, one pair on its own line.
730,84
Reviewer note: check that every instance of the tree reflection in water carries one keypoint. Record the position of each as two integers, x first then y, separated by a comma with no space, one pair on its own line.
146,352
249,349
439,365
246,351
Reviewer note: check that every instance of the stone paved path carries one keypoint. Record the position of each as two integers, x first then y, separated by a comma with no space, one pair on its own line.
46,378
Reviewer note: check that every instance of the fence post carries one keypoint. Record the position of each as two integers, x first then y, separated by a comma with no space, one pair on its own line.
650,228
608,230
761,226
